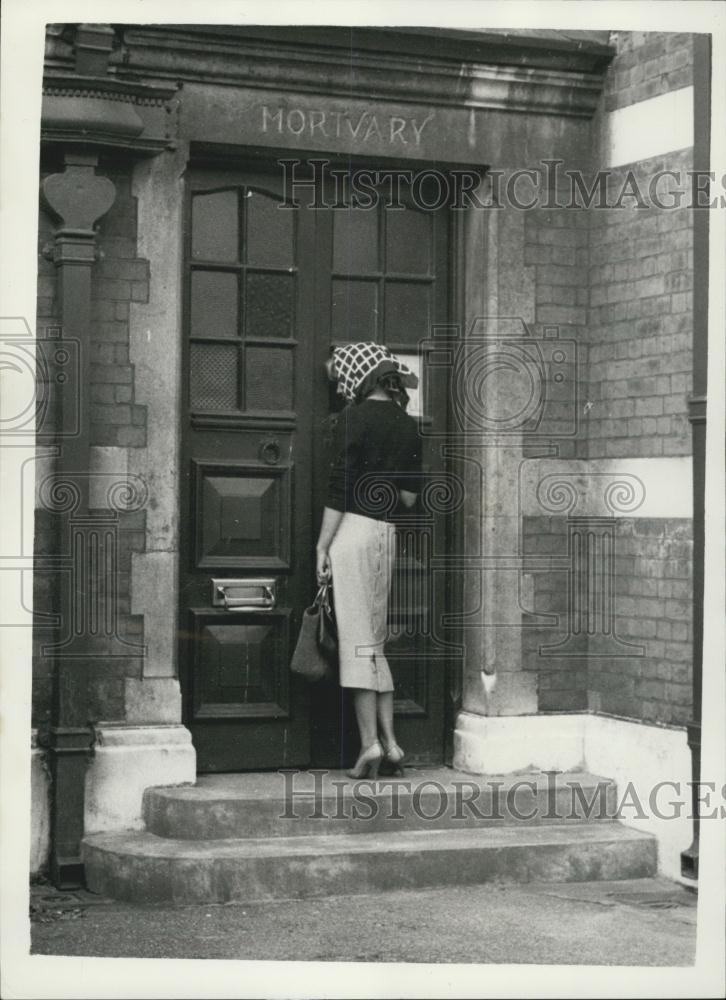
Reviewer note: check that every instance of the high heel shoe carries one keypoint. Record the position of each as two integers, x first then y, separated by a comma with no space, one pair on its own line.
392,763
367,764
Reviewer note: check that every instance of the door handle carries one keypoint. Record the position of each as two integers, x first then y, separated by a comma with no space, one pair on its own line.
244,595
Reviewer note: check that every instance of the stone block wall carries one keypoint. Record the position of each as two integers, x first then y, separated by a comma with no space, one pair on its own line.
120,278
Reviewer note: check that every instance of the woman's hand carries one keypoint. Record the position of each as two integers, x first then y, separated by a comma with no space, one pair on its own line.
331,520
323,567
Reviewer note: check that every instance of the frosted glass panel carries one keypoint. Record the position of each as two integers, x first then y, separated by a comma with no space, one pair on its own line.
214,304
409,242
269,305
269,231
408,307
215,226
213,377
355,310
268,379
355,240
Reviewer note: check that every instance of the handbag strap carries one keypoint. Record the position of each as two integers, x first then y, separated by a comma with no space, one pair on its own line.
322,598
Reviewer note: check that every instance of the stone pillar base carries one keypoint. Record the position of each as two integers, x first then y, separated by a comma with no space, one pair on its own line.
515,693
485,744
126,761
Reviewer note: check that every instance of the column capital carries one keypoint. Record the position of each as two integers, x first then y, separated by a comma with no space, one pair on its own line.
79,196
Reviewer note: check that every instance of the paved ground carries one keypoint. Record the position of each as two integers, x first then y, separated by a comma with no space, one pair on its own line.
638,922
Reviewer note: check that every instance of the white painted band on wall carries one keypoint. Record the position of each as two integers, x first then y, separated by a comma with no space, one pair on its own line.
613,487
649,128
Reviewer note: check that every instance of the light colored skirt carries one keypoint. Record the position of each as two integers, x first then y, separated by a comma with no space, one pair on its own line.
361,560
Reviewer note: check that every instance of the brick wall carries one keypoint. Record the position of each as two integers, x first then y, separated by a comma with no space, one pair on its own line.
119,278
619,280
640,322
652,583
556,245
641,276
653,608
639,346
633,269
648,64
562,682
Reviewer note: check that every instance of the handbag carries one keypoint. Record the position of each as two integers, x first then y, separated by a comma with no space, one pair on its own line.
316,652
327,627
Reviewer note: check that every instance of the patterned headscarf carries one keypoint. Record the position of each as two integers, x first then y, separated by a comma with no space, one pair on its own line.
355,362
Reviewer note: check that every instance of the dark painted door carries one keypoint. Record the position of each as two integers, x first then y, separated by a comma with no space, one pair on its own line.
267,291
385,279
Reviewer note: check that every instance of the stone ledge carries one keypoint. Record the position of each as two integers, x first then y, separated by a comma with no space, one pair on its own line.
118,734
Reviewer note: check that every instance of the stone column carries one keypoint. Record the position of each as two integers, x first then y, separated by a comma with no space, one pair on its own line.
152,747
498,302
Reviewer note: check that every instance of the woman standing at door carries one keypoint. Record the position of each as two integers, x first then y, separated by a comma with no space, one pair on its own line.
376,468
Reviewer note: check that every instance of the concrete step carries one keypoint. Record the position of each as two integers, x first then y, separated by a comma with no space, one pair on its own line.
328,803
143,868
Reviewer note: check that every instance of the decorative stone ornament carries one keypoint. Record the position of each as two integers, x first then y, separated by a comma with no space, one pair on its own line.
79,196
88,104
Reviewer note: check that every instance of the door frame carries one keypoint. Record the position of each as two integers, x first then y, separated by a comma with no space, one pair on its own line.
454,686
225,155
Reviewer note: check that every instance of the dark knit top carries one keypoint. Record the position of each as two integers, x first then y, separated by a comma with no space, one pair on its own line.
376,453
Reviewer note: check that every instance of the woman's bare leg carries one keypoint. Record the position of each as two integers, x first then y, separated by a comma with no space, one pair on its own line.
384,706
364,702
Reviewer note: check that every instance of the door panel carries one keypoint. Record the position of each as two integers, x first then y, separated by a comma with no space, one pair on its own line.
238,665
268,291
242,514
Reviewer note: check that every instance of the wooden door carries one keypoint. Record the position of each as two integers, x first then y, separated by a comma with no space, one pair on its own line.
246,527
267,292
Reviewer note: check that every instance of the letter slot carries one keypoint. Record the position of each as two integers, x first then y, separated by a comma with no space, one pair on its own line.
243,595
